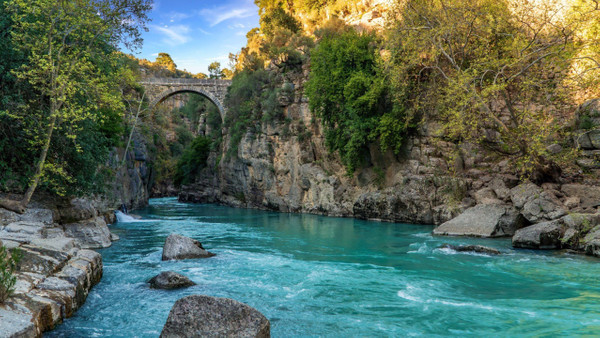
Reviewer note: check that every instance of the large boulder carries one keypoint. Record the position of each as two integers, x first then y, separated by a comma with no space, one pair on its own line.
170,280
90,234
545,235
181,247
204,316
485,220
536,204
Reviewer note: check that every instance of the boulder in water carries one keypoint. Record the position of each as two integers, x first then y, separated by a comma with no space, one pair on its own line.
483,220
170,280
181,247
472,248
204,316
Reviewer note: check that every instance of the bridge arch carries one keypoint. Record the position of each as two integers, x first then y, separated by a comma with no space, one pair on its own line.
177,90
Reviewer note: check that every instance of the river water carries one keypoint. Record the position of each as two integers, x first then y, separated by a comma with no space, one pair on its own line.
324,276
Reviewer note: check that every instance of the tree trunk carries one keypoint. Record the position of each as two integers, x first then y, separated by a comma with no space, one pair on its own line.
40,165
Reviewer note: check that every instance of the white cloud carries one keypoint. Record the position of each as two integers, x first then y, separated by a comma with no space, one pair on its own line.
174,35
176,16
203,31
218,15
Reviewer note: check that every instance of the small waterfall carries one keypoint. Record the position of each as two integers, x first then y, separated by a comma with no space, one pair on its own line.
124,218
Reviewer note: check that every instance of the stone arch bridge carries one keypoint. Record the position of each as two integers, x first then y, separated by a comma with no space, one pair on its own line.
160,89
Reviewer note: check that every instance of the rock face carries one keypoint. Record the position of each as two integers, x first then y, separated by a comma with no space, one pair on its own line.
484,220
591,242
90,234
79,209
204,316
170,280
181,247
132,181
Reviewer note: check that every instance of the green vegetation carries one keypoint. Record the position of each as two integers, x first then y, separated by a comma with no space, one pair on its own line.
497,76
348,91
8,266
62,56
192,161
502,75
251,97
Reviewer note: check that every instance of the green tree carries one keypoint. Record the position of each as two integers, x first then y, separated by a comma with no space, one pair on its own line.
67,45
214,70
164,60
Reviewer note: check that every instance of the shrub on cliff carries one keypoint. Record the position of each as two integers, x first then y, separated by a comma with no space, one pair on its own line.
252,97
349,92
8,265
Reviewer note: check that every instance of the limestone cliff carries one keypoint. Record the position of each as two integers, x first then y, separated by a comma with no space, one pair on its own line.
133,176
287,167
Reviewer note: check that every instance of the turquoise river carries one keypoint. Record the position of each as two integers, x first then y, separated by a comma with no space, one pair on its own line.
336,277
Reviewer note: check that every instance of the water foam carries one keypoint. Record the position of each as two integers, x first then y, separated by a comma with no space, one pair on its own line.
410,294
124,218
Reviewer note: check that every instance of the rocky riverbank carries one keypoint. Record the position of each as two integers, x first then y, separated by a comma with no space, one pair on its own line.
57,269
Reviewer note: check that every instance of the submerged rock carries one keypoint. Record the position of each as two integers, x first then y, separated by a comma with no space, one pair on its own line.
204,316
181,247
472,248
170,280
484,220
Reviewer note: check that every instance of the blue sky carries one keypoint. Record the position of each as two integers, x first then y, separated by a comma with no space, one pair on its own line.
198,32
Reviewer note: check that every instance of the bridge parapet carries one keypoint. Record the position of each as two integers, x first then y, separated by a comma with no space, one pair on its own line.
165,81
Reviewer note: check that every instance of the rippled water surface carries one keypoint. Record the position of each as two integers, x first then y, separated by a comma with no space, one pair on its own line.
323,276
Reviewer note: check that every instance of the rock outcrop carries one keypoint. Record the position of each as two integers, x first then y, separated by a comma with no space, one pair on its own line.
89,234
170,280
51,286
204,316
181,247
56,272
484,220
